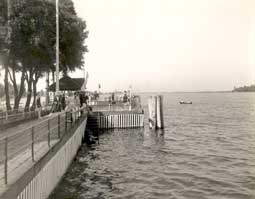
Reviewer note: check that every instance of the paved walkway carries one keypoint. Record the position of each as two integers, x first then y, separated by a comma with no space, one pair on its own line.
21,141
19,146
21,163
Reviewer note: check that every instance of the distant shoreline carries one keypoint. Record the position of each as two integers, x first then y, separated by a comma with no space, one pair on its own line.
197,92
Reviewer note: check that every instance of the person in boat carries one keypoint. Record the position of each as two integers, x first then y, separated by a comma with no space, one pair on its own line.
182,102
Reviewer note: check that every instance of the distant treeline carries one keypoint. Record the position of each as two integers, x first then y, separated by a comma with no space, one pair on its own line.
245,89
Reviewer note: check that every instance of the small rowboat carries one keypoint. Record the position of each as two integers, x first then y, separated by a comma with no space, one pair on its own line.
182,102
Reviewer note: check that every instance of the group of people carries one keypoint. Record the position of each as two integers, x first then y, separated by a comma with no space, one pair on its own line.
125,98
70,102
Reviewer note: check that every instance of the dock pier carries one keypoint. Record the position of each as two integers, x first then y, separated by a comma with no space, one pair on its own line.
117,120
34,159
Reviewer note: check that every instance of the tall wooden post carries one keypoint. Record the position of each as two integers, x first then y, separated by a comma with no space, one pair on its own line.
159,112
152,112
156,120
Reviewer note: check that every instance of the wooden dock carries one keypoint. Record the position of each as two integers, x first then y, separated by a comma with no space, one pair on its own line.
42,150
116,115
112,120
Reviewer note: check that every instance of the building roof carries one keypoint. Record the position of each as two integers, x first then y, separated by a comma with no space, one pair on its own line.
67,83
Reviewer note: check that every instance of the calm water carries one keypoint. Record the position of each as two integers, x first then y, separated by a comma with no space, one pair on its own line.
207,150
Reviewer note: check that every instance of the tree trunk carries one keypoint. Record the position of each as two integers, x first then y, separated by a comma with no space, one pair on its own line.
20,91
15,88
6,89
47,88
29,92
34,93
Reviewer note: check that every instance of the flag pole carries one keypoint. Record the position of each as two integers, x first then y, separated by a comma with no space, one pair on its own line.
57,47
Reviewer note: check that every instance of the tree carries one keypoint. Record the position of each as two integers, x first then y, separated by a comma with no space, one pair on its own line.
31,31
72,36
32,49
250,88
11,90
1,90
4,46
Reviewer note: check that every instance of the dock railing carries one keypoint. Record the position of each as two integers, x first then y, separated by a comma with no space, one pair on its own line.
30,144
110,107
116,106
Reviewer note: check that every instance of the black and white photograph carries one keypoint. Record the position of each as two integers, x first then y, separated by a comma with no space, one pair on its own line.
127,99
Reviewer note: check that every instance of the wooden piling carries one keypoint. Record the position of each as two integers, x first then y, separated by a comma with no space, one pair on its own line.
152,112
156,120
159,112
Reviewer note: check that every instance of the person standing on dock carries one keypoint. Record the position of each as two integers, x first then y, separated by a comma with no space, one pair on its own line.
113,98
38,101
76,99
38,105
81,97
86,99
63,101
125,97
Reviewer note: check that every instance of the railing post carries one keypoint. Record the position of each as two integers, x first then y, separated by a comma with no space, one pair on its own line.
6,160
58,125
49,133
32,145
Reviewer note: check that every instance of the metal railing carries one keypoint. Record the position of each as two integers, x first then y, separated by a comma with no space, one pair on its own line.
111,107
31,143
15,115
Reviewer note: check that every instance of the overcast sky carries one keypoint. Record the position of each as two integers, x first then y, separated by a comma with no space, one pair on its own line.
169,45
